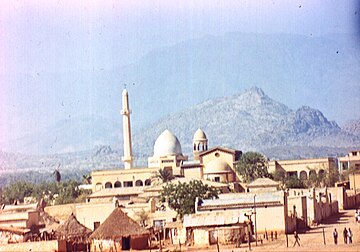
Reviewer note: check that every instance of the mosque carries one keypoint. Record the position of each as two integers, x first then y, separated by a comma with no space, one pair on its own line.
215,164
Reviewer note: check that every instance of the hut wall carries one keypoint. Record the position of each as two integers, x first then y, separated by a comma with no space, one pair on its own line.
105,245
53,245
9,237
139,242
225,235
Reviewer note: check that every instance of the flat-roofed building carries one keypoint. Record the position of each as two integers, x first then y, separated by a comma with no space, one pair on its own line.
350,162
302,168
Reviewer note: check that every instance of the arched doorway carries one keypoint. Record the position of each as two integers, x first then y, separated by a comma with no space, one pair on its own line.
117,184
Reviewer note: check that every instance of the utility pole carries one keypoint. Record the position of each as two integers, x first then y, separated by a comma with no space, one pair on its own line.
255,221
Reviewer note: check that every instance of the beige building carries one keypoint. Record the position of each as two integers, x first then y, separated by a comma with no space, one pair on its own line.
261,207
350,162
302,168
20,216
135,177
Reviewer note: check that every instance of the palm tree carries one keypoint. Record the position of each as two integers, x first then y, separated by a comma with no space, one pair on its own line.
163,175
57,174
87,179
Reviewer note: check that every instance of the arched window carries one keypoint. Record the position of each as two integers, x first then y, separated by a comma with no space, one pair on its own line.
321,173
138,183
303,175
147,182
194,147
312,173
98,186
108,185
117,184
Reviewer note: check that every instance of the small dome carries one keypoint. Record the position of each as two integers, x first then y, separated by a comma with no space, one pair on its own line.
217,166
167,144
199,135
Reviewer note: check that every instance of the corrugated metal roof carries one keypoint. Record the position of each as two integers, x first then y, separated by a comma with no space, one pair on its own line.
213,219
244,198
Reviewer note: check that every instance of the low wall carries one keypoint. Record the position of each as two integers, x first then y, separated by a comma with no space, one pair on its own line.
53,245
351,201
62,212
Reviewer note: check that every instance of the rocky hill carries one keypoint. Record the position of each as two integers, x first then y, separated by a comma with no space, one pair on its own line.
251,121
352,127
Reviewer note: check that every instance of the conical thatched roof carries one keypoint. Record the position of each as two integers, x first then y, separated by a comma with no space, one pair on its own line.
118,224
72,230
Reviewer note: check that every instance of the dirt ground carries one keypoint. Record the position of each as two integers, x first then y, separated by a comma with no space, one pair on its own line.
311,240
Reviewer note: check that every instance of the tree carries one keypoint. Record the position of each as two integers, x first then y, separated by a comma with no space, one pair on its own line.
143,217
181,196
294,182
87,179
163,175
252,165
57,174
17,191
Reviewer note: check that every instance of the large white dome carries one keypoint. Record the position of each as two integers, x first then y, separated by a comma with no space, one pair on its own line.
167,144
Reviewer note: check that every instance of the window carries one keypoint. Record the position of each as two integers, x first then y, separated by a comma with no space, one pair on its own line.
128,184
217,179
217,154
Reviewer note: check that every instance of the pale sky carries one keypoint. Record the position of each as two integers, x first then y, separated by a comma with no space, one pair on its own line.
40,38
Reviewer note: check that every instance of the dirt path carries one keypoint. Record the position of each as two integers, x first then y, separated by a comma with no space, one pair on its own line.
312,240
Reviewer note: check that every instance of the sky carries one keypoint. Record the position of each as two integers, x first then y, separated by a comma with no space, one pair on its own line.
41,40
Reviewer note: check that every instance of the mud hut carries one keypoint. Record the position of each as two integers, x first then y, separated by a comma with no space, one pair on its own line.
119,232
75,234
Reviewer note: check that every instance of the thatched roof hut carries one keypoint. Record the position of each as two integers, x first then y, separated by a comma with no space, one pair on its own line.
72,230
123,230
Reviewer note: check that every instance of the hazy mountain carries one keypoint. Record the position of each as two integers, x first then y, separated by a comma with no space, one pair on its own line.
247,121
70,135
320,72
251,121
352,127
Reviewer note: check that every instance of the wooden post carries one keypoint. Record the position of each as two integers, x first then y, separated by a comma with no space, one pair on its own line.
217,243
180,244
324,236
287,241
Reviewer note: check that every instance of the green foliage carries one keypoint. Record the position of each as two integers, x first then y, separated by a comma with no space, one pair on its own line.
181,196
163,175
294,182
57,175
87,179
279,175
252,165
62,192
143,217
315,179
17,191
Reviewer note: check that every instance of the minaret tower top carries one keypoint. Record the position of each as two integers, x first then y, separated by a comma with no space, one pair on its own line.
127,158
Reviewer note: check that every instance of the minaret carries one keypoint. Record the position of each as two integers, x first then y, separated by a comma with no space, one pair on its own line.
127,158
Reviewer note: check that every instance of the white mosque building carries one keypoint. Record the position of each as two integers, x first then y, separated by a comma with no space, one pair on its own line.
215,164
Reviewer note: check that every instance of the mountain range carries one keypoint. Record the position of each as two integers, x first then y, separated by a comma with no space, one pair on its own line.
318,71
249,121
253,121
